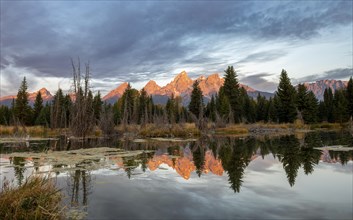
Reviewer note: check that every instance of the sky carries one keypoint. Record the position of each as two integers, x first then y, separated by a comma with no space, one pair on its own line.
142,40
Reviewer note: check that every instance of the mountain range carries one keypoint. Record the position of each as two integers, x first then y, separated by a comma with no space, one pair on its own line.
181,85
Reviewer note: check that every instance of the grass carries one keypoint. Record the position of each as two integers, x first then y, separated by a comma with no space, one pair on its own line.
37,198
233,129
169,130
36,131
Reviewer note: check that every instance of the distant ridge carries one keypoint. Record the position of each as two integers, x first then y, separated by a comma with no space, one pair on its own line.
181,85
46,96
318,87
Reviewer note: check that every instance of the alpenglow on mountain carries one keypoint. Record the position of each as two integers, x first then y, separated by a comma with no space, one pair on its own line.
181,85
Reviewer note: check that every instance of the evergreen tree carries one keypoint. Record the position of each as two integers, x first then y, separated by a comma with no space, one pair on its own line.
310,111
286,106
38,106
328,101
261,108
231,90
97,106
143,107
307,104
196,102
340,110
44,116
211,109
5,115
170,109
223,105
302,97
271,111
22,110
349,95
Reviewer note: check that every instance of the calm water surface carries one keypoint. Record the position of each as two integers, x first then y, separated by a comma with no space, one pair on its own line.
211,178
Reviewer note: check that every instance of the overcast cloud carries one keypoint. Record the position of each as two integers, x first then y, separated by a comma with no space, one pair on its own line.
139,41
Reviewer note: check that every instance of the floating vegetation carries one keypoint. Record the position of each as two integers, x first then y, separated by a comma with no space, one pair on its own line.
335,148
81,159
175,139
23,140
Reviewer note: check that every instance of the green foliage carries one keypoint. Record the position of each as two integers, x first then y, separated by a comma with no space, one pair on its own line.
328,101
349,95
307,104
5,115
230,90
97,106
286,105
196,103
261,113
38,106
340,104
22,109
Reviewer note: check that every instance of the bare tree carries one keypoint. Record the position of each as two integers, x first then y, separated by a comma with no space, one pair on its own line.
82,114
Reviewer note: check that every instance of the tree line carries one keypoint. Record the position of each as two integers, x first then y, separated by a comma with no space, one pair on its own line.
81,111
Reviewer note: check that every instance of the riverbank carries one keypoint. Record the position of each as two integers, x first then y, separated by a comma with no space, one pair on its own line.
182,130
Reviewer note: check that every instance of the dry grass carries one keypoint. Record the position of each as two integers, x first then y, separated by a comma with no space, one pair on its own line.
37,198
36,131
168,130
326,125
233,129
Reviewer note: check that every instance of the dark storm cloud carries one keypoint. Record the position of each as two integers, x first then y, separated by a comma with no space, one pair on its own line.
128,39
340,73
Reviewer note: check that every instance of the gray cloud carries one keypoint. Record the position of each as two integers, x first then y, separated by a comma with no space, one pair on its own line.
127,39
339,73
264,56
258,81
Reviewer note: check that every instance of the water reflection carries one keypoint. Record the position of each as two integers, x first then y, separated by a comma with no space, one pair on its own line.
217,155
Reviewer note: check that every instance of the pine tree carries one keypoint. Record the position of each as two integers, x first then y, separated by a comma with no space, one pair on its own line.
349,95
196,102
231,90
261,108
310,110
22,110
38,105
302,97
328,101
286,94
340,110
307,104
97,106
271,111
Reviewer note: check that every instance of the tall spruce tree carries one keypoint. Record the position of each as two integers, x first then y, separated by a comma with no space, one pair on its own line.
328,101
286,106
231,90
349,95
261,108
22,109
196,102
310,111
97,106
340,111
38,106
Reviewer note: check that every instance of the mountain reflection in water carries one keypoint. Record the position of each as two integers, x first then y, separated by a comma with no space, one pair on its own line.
203,172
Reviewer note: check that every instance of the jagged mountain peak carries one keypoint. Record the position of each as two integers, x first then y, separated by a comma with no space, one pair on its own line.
117,92
151,87
183,76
